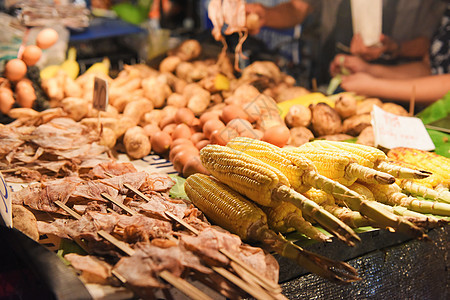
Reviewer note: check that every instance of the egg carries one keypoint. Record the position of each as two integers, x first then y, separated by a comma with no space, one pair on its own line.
160,141
277,135
231,112
15,69
31,55
6,100
212,125
184,115
46,38
214,114
223,136
181,131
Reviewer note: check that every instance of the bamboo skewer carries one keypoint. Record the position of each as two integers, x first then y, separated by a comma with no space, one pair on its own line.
179,283
121,205
267,284
71,212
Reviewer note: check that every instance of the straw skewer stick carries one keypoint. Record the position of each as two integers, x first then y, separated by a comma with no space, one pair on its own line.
121,205
264,282
179,283
267,284
71,212
412,101
184,286
256,292
243,273
182,222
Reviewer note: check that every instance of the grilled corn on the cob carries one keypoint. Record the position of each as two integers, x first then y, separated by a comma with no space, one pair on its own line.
392,195
429,161
341,166
270,154
287,217
232,211
267,186
352,218
369,157
412,216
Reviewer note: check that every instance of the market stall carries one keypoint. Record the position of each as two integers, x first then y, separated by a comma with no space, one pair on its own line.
203,175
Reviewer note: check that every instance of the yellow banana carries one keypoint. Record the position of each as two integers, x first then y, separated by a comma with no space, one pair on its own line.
70,65
49,71
100,67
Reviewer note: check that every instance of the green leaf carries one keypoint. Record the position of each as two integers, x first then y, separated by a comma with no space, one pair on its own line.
130,13
441,141
177,191
436,111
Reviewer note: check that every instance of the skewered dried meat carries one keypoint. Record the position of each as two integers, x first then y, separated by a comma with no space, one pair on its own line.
10,140
60,133
92,269
158,206
158,182
112,168
42,196
153,238
141,269
210,240
55,149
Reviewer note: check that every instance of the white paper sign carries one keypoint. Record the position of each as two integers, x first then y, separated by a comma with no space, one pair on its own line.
5,202
367,18
393,131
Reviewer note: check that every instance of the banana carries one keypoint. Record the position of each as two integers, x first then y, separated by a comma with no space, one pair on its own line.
100,67
49,71
70,65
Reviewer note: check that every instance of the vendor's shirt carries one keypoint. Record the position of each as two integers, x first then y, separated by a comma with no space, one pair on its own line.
440,46
402,20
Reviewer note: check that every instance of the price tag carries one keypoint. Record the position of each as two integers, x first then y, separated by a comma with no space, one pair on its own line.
100,94
5,202
393,131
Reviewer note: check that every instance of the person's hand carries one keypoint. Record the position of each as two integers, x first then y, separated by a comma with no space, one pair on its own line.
353,64
358,48
252,10
391,46
359,83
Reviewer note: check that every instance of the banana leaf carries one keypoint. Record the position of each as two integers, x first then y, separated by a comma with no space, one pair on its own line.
433,114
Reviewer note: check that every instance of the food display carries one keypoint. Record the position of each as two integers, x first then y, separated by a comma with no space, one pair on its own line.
257,159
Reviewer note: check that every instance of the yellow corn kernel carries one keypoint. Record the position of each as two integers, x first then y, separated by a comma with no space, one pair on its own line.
341,166
286,217
224,206
365,155
245,174
319,196
429,161
292,166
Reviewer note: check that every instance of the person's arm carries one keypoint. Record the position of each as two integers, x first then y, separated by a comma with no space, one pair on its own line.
355,64
281,16
427,89
403,71
415,48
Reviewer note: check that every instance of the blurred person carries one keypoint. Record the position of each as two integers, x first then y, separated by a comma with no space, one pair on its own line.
407,28
429,78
